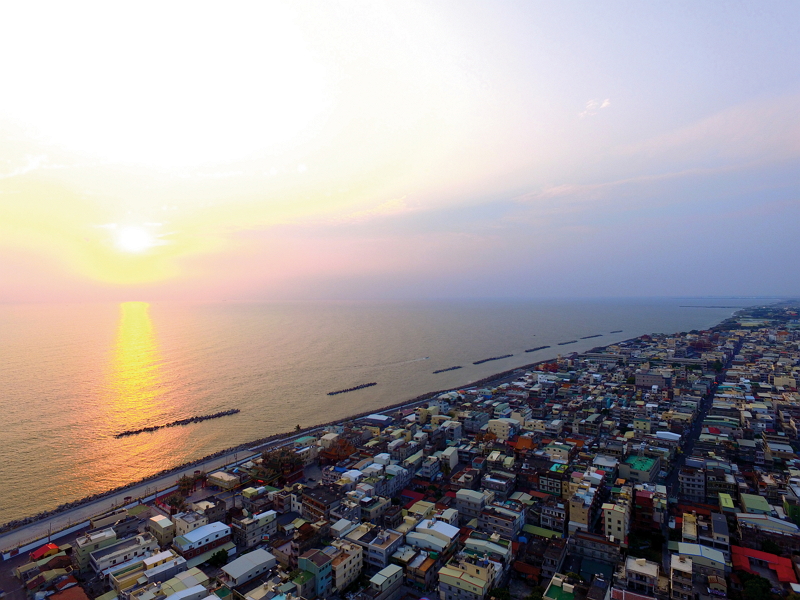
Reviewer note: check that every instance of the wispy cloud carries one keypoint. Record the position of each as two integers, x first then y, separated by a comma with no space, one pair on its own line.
32,163
393,207
593,107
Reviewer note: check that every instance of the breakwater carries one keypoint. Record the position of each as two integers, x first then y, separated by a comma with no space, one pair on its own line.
485,360
276,438
588,337
178,423
537,348
569,342
617,331
352,389
445,370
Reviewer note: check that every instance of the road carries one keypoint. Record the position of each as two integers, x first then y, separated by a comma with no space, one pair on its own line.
671,481
41,530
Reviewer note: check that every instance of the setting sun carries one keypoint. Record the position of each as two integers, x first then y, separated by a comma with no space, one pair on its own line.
134,239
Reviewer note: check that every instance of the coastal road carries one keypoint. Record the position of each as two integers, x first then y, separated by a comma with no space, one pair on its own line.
41,530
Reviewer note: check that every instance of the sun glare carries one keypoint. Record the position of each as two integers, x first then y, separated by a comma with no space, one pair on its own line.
134,239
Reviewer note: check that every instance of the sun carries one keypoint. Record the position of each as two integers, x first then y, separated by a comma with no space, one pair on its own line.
134,239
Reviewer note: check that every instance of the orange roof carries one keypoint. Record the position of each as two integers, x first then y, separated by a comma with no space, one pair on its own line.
72,593
524,443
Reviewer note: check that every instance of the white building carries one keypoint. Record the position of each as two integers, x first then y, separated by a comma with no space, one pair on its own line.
249,566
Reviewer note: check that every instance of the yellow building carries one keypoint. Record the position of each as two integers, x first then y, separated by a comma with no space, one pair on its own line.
162,529
467,577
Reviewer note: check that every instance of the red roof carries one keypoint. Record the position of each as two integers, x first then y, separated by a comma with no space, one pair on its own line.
782,566
526,569
45,550
68,582
71,593
714,430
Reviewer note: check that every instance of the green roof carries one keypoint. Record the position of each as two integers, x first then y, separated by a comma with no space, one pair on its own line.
138,509
541,531
725,500
558,593
303,578
755,504
640,463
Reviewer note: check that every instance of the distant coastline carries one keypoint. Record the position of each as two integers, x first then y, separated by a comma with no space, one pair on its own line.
278,437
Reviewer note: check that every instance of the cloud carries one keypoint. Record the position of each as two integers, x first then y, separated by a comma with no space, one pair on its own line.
389,208
33,163
764,129
593,107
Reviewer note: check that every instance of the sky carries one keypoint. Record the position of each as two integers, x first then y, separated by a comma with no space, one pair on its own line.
398,150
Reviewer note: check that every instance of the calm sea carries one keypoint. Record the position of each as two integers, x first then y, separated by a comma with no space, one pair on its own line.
71,376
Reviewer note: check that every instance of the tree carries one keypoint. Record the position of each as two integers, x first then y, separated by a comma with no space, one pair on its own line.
771,547
757,588
500,594
177,502
537,593
297,427
218,559
717,366
574,575
185,485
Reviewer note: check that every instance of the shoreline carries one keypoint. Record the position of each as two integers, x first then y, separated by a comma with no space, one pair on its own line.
251,446
257,445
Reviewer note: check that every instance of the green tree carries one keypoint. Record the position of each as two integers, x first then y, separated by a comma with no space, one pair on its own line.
185,485
717,366
177,502
537,593
574,575
297,427
218,559
771,547
757,588
500,594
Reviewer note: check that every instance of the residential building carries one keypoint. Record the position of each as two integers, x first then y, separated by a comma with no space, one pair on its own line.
466,578
202,540
680,578
470,505
123,551
347,564
249,566
253,530
379,544
319,564
90,542
162,529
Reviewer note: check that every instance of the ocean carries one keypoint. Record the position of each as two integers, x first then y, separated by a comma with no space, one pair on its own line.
71,376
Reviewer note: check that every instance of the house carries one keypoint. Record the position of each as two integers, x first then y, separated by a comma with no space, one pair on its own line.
319,564
202,540
249,566
466,578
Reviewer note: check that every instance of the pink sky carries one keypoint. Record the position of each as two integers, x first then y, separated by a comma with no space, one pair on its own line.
364,150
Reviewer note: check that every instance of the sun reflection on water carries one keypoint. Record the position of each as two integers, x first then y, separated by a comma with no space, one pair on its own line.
139,392
135,383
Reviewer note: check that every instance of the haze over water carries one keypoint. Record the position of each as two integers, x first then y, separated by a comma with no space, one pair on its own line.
74,375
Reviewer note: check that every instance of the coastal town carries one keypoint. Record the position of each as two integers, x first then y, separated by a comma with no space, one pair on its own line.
665,467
